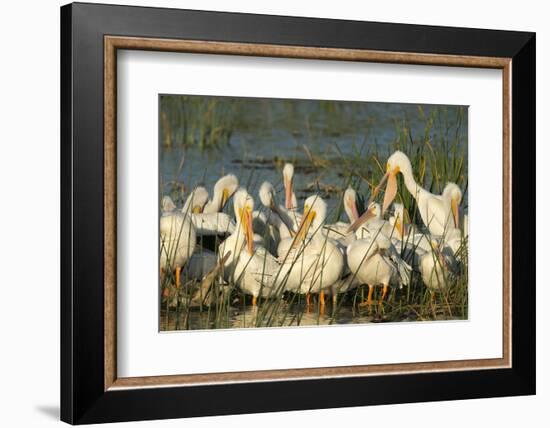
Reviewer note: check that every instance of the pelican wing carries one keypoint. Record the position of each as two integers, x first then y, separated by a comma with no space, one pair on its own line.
435,212
404,270
208,224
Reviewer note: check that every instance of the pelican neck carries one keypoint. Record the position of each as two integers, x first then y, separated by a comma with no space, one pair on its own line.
410,183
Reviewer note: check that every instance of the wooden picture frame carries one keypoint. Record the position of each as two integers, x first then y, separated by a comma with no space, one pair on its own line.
91,390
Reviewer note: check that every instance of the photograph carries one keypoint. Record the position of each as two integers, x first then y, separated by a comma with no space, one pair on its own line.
291,212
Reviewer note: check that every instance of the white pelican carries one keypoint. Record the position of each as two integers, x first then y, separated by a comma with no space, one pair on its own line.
167,205
456,243
409,241
196,201
291,203
453,196
209,223
435,211
276,212
249,266
375,261
453,236
400,220
223,190
437,266
313,262
288,178
340,230
371,223
350,204
177,241
277,218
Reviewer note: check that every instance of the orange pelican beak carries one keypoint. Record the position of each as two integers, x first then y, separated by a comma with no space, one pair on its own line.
307,219
246,221
454,209
391,187
353,207
361,220
399,227
225,198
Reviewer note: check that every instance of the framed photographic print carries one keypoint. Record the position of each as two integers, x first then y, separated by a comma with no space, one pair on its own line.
265,213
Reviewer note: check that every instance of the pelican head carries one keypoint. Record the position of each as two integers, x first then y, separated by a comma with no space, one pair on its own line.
453,193
350,204
267,195
397,163
373,211
288,174
196,201
243,204
224,188
437,251
398,220
315,213
167,204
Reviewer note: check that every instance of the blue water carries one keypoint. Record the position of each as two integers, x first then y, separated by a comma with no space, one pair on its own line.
283,129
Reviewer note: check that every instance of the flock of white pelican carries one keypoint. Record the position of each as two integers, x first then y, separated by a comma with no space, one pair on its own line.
284,248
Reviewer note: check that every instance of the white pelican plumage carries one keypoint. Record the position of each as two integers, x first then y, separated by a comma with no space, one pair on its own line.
279,217
224,188
203,261
288,178
411,243
436,212
177,241
291,203
167,205
251,267
196,201
276,216
400,220
453,196
313,261
437,266
213,222
340,231
374,261
371,223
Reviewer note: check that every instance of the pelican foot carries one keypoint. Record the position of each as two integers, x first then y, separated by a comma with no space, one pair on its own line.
384,293
369,301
